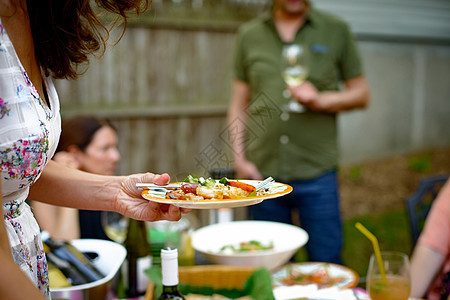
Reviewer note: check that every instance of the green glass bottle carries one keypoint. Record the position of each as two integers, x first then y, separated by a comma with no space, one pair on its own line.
138,258
77,265
169,266
62,274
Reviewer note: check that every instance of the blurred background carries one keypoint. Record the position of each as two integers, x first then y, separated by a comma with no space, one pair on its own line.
166,87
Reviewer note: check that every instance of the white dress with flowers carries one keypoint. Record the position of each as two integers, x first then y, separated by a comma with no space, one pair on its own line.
29,133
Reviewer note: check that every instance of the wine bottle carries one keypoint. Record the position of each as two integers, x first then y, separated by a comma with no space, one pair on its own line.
169,267
71,274
68,253
138,258
57,279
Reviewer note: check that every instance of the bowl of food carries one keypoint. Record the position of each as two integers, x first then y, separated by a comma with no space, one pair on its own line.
249,243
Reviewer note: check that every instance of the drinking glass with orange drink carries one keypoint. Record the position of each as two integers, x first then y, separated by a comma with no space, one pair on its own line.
392,283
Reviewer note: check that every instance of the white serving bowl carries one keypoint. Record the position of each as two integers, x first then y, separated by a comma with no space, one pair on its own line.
110,258
287,239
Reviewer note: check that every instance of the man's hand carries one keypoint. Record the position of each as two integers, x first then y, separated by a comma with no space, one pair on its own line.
247,170
306,94
355,95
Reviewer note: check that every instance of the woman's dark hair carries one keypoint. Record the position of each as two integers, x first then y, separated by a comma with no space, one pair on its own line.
79,131
66,32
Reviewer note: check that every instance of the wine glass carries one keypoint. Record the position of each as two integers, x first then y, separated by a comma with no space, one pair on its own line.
396,283
115,226
295,71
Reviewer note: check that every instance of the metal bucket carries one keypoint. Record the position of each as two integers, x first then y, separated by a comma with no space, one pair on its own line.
109,259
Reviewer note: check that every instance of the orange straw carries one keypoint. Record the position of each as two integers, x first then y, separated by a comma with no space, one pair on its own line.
376,248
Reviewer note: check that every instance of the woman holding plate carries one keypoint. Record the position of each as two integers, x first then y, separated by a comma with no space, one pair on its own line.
40,40
89,144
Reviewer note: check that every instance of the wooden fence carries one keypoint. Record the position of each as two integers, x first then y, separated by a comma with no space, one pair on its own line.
166,84
167,96
166,87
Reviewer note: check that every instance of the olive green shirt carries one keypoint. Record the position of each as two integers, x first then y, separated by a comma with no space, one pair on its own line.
292,146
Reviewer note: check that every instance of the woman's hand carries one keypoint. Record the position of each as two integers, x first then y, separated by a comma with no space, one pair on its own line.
130,203
63,186
67,159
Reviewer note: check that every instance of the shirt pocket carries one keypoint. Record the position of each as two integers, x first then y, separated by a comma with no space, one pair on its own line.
323,69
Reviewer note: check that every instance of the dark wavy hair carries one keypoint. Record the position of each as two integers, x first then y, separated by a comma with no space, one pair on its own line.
66,32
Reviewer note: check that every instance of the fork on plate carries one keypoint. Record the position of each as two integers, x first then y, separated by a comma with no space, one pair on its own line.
163,188
263,184
152,186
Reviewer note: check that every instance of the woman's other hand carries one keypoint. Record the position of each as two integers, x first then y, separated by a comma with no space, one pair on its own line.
66,159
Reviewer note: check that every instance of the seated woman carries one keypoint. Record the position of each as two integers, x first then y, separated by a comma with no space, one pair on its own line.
430,263
87,144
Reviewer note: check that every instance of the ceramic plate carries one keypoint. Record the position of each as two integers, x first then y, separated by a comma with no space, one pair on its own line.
344,277
276,189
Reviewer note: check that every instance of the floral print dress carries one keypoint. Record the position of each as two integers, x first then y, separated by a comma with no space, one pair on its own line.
29,133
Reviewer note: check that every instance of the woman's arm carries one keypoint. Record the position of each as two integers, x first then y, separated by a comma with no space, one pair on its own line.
425,265
433,245
14,284
64,186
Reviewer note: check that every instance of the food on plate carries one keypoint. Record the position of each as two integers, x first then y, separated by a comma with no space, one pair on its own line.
243,247
320,276
196,188
214,297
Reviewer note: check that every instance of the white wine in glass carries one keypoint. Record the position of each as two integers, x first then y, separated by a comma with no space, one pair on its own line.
115,226
295,70
295,75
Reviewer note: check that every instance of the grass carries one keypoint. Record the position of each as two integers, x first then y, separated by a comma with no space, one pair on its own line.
391,229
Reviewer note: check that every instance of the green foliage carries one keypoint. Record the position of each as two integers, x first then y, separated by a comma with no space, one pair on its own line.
200,14
420,164
301,255
391,229
355,173
154,273
258,285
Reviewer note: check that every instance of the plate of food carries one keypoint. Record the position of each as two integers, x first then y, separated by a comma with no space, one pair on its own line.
199,193
249,243
324,275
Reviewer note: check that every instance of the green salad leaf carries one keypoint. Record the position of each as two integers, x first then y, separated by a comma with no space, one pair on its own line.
200,180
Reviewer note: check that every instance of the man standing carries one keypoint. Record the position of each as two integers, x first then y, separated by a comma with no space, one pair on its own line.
299,148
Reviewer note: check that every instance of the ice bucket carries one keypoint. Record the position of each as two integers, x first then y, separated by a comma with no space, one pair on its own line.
109,259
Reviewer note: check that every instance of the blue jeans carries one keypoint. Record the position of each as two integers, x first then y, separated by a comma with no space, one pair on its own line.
317,202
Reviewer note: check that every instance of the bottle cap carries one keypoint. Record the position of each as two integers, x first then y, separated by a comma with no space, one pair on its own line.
169,253
169,267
